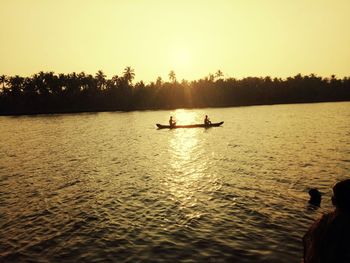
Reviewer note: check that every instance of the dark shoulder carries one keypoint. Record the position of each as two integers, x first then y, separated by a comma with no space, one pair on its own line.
324,220
319,225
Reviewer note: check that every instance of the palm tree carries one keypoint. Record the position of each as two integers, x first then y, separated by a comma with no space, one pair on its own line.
83,81
172,76
219,74
73,83
62,81
52,85
29,87
3,79
91,83
16,85
129,74
115,80
140,85
101,79
159,82
267,79
41,82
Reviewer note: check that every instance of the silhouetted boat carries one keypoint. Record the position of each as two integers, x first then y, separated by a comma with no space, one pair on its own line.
160,126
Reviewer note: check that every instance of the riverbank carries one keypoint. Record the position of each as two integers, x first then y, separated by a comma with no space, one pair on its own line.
49,93
73,111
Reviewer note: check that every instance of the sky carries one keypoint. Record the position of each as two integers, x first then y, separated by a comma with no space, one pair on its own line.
277,38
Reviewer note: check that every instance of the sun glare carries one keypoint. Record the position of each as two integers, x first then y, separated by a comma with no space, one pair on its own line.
186,174
181,59
185,117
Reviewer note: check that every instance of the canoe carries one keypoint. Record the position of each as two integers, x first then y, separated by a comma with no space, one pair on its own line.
160,126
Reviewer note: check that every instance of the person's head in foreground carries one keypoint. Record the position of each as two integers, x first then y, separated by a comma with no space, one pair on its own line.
341,197
328,239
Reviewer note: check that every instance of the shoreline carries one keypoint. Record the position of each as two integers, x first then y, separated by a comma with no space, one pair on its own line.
82,111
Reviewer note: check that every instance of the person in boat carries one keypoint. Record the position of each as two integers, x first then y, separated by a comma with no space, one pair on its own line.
315,197
172,123
206,120
328,238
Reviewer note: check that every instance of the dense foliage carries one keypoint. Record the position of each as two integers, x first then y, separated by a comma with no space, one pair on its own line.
47,92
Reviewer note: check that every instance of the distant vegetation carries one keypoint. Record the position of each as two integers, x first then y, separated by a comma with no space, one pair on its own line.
47,92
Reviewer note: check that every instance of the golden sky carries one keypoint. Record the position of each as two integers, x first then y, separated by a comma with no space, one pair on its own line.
192,37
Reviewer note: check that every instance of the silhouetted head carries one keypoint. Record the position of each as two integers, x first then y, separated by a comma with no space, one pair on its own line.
171,117
341,195
315,197
206,116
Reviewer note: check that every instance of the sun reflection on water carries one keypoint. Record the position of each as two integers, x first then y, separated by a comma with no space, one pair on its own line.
186,164
185,117
184,141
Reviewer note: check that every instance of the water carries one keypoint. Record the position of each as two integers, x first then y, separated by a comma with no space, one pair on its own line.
111,187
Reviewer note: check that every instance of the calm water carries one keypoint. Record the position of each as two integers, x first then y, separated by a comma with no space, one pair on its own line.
111,187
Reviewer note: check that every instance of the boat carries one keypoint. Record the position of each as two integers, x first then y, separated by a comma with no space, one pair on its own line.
160,126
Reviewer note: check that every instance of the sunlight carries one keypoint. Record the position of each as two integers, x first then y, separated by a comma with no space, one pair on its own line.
184,141
189,37
186,173
185,117
187,170
183,144
181,59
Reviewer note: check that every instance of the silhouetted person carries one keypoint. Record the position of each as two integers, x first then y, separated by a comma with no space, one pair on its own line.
206,120
328,239
315,197
172,123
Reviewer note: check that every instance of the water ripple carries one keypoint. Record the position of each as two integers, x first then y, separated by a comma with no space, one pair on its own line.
109,187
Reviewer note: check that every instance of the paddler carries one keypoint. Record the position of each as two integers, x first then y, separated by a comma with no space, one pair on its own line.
172,123
206,120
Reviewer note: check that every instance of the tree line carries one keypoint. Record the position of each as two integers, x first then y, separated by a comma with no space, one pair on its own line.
47,92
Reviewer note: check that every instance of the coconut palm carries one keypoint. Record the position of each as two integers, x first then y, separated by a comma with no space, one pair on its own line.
91,83
16,85
101,79
172,76
52,85
62,81
3,79
82,81
116,80
73,83
219,74
129,74
159,82
211,77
